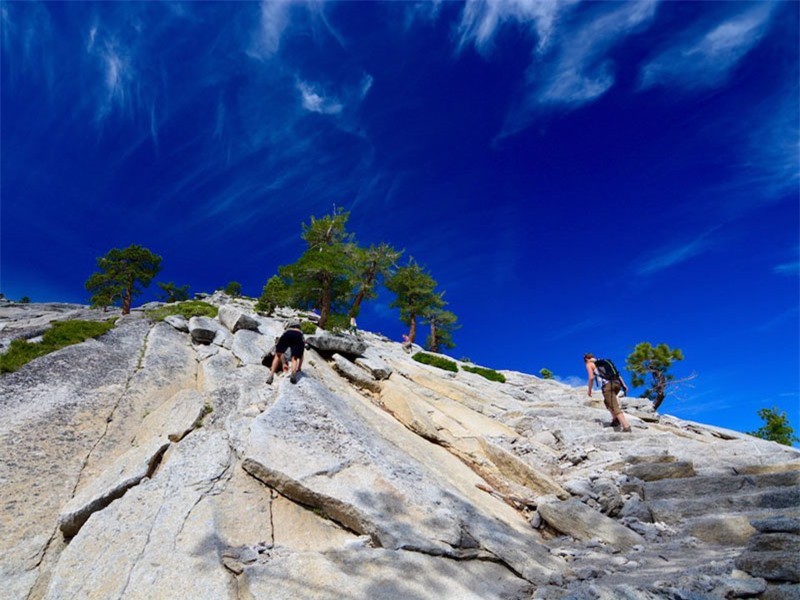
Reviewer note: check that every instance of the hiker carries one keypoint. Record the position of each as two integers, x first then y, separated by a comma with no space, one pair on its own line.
406,343
292,339
353,327
610,382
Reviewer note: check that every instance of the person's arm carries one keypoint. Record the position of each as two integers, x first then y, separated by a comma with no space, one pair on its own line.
624,386
590,370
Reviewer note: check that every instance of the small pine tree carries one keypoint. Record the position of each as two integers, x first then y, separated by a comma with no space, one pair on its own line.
776,427
647,359
415,295
276,293
546,374
442,323
122,272
233,289
173,293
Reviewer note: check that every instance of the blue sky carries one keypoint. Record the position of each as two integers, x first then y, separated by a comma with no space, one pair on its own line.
577,176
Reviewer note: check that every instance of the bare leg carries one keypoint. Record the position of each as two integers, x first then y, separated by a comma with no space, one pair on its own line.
276,363
623,421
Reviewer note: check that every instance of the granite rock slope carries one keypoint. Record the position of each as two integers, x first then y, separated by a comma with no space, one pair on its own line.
154,462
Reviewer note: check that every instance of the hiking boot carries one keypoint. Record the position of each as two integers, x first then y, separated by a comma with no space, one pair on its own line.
269,379
626,430
293,378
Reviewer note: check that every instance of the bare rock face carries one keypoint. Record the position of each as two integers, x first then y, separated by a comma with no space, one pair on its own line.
154,462
343,344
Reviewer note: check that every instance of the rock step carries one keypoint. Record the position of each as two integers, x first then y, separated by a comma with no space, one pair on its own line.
719,485
760,503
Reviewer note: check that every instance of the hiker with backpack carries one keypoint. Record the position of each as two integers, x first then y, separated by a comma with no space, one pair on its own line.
610,382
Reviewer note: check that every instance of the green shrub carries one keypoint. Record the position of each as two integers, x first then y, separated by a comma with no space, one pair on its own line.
61,334
276,293
308,328
233,289
489,374
337,322
546,374
435,361
188,309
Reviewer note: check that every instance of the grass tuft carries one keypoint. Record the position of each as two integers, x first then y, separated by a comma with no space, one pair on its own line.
60,335
435,361
489,374
188,309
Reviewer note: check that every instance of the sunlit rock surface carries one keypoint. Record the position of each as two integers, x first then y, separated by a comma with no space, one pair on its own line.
154,462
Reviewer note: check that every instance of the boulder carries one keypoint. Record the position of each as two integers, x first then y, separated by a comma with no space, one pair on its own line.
235,319
722,530
773,566
343,344
203,329
178,322
250,347
359,377
576,519
777,524
376,367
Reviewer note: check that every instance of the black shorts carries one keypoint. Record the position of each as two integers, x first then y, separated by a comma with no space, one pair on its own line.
291,338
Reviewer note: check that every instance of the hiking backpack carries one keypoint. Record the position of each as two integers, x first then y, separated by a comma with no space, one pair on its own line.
606,369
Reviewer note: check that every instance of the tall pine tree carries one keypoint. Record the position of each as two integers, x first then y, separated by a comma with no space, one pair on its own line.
415,294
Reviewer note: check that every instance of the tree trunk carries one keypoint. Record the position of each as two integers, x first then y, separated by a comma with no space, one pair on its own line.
356,307
325,309
660,389
126,299
412,330
434,341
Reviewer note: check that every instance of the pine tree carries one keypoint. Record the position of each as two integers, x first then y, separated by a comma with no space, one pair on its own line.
654,361
442,323
173,293
276,293
233,289
371,264
776,427
415,294
322,276
122,272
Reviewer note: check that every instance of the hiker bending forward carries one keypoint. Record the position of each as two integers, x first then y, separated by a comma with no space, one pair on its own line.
610,390
292,339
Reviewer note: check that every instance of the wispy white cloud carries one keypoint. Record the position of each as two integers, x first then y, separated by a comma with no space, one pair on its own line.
571,380
576,328
675,254
570,64
27,41
424,12
582,71
274,21
481,20
693,406
790,268
705,58
316,100
780,320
